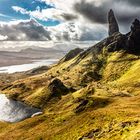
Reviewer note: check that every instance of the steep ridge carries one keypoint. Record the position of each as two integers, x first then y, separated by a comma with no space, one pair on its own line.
94,95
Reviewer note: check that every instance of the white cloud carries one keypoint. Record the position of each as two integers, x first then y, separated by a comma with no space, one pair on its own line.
24,30
86,10
20,9
3,15
64,11
44,14
2,38
31,30
63,8
77,31
83,25
96,10
67,5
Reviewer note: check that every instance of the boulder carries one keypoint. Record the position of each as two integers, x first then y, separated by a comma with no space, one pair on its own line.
57,88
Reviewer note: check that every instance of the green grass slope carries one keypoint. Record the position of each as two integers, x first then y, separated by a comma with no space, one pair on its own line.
102,99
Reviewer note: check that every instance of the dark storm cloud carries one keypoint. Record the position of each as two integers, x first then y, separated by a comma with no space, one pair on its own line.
91,12
133,2
69,17
125,10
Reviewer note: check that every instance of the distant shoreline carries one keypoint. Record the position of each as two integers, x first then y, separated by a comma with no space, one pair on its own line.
14,62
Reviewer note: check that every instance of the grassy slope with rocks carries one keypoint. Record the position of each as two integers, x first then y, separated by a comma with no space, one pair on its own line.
97,97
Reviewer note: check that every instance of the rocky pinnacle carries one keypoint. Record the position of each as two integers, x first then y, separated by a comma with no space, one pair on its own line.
113,25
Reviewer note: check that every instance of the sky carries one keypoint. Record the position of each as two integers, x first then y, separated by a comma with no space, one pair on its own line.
66,20
11,10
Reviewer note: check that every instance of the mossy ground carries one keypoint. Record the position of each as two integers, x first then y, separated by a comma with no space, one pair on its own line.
118,119
105,103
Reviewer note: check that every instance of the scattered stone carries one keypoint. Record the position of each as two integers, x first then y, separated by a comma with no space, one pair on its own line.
122,94
129,124
125,124
91,135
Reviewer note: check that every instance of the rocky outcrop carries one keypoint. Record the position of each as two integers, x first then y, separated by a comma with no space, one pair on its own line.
113,25
129,42
57,88
134,37
116,42
37,70
71,54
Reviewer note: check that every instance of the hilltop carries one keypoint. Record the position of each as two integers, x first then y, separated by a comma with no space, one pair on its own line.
90,94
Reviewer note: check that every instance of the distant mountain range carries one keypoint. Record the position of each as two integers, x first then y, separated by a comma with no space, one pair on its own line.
25,54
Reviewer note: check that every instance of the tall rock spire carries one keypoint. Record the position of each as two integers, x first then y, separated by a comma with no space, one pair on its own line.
113,25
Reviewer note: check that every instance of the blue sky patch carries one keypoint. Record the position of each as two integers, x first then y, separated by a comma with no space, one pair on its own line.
8,14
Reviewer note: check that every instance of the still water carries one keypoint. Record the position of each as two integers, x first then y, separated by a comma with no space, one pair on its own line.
15,111
26,67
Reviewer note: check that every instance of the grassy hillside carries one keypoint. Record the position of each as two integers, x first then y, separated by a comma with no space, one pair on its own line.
94,95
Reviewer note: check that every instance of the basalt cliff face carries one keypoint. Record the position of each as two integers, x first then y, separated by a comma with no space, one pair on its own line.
129,42
113,25
94,95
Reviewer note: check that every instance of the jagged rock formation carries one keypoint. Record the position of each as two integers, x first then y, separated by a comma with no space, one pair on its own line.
129,42
134,37
113,25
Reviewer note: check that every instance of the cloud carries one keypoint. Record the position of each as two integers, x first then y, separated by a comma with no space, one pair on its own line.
124,9
135,2
3,15
79,19
24,30
31,30
95,11
2,38
20,9
91,11
69,17
77,31
46,14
